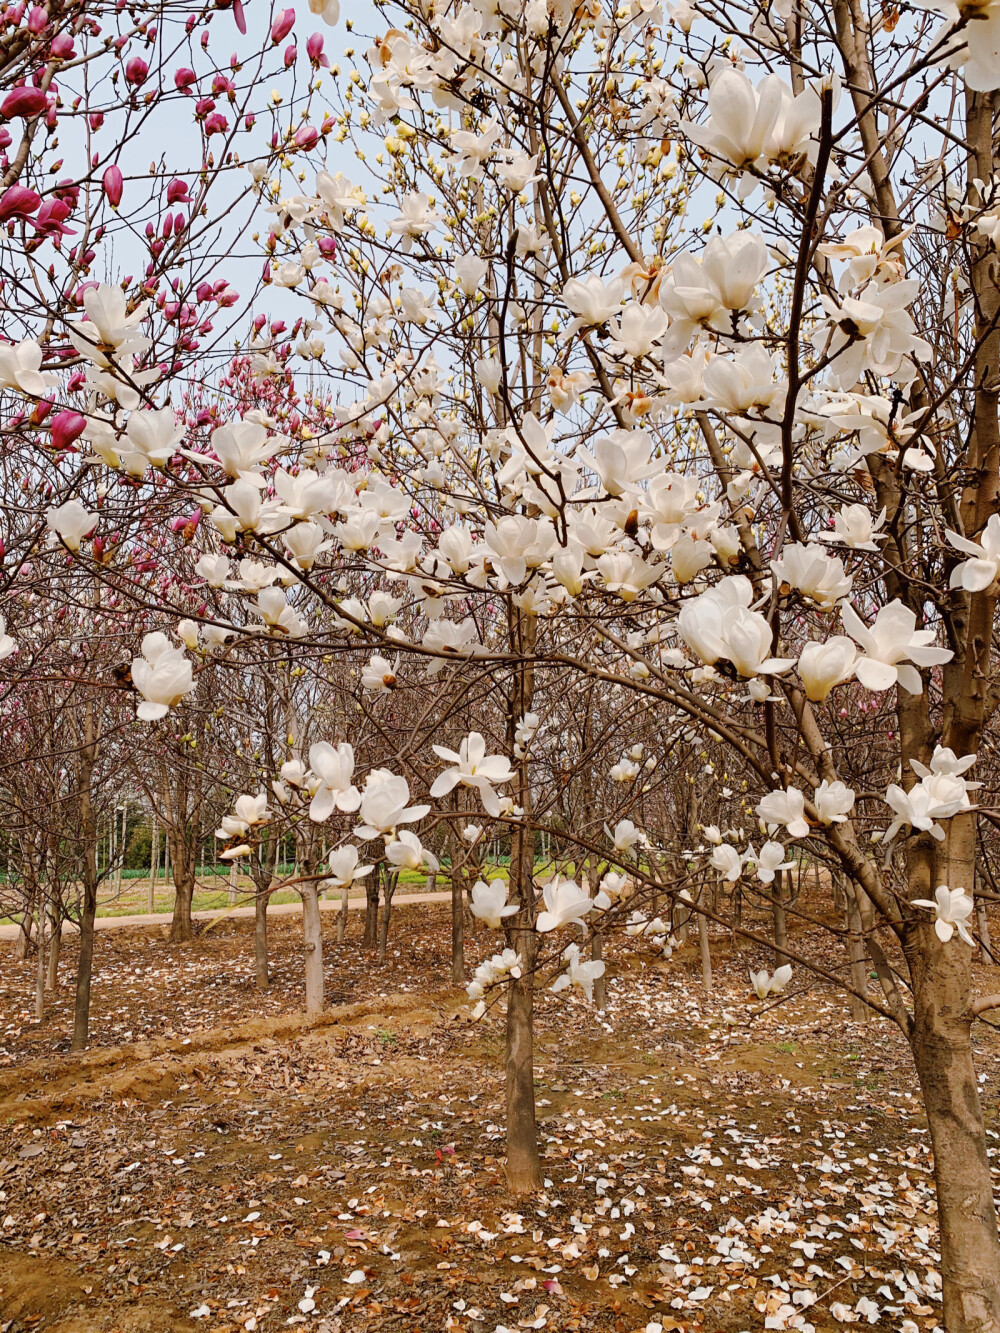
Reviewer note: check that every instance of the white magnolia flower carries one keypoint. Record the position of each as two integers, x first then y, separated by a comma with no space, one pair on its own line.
855,526
813,573
252,810
7,644
334,768
626,836
892,642
162,675
979,572
765,985
834,801
770,861
71,523
565,904
344,868
728,862
408,852
952,908
582,974
384,804
823,666
784,808
489,902
379,674
592,301
473,767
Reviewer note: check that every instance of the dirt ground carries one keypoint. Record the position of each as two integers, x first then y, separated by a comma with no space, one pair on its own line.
217,1162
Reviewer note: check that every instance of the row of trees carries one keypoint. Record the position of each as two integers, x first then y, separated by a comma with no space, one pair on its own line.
612,453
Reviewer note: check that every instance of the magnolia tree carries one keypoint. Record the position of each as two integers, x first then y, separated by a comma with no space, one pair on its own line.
658,348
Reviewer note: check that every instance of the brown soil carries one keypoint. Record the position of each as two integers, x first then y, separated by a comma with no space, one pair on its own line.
709,1166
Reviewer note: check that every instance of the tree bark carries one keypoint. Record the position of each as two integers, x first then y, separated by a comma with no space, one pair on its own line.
856,953
345,895
40,968
705,952
388,889
88,914
942,1051
260,940
181,924
370,937
457,925
154,865
55,947
312,932
596,954
780,921
524,1168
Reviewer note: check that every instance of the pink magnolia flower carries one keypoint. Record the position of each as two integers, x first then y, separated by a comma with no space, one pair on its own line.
282,25
26,102
113,185
18,201
183,79
136,71
66,427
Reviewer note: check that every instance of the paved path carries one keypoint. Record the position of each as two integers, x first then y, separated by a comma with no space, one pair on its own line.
10,932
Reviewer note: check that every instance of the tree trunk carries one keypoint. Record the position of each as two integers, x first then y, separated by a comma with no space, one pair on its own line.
942,1051
856,953
345,895
23,935
88,833
705,951
388,889
154,866
40,969
370,937
260,940
596,954
55,946
457,925
780,923
983,929
524,1168
312,932
181,925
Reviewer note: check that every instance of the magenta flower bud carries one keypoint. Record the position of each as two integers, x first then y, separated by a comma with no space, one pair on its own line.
113,185
66,427
18,201
183,79
203,106
314,47
306,136
258,322
204,291
216,123
26,102
327,246
282,25
249,121
76,381
177,192
239,16
38,19
61,47
96,119
179,224
136,71
291,52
